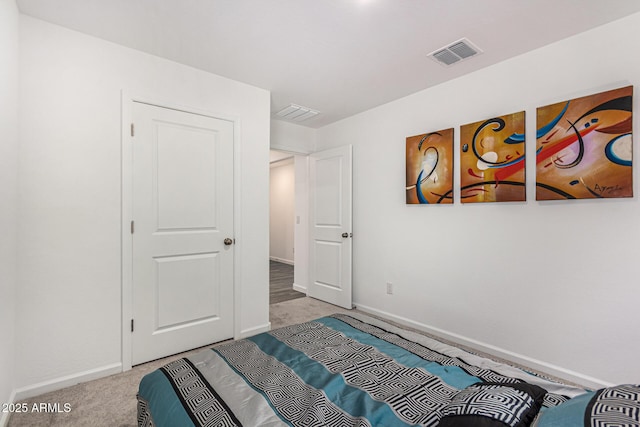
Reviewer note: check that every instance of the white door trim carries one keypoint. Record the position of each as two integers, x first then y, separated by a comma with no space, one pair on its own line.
127,100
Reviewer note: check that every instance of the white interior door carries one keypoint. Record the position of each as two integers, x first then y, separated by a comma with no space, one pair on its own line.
182,212
330,219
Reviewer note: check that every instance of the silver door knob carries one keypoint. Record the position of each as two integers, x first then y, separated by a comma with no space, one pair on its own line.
228,241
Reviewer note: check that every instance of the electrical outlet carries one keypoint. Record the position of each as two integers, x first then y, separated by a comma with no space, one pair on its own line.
389,288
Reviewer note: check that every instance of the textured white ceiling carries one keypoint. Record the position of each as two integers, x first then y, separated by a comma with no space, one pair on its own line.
340,57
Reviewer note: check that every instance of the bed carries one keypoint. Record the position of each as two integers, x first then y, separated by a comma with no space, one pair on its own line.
355,370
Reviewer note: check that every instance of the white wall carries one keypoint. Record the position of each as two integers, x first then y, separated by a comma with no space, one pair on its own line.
555,281
9,36
69,298
301,225
291,137
282,210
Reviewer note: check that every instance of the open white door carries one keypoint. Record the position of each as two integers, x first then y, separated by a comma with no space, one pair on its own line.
182,241
330,219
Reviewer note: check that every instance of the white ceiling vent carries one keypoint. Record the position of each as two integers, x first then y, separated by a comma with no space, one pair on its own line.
455,52
296,113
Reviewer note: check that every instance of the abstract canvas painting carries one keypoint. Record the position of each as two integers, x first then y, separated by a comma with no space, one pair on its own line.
430,168
584,147
492,160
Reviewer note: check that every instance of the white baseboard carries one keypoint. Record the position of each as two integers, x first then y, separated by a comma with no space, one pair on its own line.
282,260
538,365
66,381
299,288
255,331
4,417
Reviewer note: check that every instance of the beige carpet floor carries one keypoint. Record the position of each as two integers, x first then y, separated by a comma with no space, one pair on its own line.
111,401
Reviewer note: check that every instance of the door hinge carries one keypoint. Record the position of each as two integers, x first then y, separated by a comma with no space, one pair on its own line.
131,325
133,129
132,227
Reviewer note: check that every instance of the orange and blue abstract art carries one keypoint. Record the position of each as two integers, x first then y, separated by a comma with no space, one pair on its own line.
584,147
492,160
430,168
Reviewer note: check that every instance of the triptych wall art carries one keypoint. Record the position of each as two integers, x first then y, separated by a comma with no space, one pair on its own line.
583,150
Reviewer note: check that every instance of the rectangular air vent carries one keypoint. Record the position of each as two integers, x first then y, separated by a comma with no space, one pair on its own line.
455,52
296,113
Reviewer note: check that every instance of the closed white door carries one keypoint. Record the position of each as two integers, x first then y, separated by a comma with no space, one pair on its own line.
331,233
182,213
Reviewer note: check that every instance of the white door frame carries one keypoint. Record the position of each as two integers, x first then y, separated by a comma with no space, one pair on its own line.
127,101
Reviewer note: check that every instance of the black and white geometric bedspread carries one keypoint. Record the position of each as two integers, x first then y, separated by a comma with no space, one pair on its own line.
341,370
615,406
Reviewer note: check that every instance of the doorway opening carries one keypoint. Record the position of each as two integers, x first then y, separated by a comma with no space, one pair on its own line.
284,220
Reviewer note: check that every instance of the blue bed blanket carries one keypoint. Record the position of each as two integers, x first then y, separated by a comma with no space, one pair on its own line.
341,370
